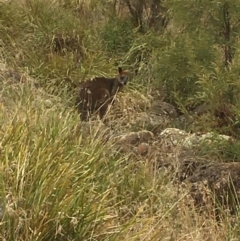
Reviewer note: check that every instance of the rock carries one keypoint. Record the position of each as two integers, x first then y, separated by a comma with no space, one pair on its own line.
160,108
151,122
221,179
188,165
173,138
201,109
133,142
134,138
173,135
211,137
142,149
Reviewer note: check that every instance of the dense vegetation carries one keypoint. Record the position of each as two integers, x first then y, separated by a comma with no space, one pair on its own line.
57,184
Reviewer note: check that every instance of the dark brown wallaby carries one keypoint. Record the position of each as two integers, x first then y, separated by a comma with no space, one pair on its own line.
97,94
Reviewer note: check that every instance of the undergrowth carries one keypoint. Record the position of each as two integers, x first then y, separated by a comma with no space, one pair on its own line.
60,182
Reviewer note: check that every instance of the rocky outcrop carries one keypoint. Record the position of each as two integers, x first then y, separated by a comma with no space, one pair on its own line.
216,184
177,149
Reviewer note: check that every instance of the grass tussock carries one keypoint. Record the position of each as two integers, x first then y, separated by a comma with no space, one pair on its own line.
62,179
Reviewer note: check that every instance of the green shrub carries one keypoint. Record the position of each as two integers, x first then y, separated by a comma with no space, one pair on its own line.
117,35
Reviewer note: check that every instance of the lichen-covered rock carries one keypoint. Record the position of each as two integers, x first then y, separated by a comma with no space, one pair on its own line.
178,138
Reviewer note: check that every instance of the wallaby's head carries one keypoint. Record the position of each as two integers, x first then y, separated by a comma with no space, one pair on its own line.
122,76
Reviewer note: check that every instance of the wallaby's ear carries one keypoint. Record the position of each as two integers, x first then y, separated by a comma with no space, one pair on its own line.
120,70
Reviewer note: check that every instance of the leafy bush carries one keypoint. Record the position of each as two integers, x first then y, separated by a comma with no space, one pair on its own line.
118,35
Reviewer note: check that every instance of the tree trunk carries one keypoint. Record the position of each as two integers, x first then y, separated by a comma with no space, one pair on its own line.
227,35
157,19
136,12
